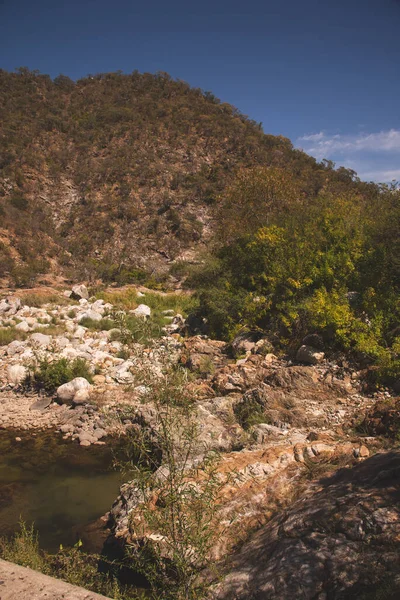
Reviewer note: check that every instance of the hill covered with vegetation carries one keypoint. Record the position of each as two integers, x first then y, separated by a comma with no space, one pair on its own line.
131,178
116,176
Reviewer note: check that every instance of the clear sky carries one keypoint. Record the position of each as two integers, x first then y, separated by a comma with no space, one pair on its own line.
324,73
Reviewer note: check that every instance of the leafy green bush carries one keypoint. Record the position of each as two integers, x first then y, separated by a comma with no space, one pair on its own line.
249,412
50,375
39,299
328,268
133,329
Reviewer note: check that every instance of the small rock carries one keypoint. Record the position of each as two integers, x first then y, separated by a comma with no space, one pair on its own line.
86,436
41,404
18,439
23,326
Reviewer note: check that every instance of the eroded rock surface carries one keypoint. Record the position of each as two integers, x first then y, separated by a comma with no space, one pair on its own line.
339,541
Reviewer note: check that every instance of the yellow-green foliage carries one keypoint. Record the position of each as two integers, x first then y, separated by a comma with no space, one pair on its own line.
329,311
330,266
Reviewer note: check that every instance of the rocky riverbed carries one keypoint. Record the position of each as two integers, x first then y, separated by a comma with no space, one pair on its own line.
279,424
53,332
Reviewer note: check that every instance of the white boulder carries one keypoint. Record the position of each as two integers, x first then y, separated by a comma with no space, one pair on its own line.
40,339
82,396
80,291
79,333
66,393
91,314
10,306
15,347
16,374
142,311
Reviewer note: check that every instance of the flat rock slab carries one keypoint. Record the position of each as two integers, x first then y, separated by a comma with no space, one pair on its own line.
19,583
41,404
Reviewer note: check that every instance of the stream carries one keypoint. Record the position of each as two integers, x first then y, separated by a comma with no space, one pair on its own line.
56,484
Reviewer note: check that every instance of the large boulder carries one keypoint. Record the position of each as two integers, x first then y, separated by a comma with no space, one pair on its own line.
67,392
309,355
203,355
324,544
40,339
80,291
142,311
91,314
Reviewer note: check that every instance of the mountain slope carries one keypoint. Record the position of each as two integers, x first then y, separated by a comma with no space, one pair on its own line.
116,175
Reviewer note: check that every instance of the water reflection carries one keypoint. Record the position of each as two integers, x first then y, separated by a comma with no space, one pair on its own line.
57,484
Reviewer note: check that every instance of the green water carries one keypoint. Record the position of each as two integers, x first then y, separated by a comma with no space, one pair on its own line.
58,485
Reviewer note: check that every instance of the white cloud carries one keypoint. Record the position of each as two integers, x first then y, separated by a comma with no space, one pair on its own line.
377,155
325,145
380,175
314,137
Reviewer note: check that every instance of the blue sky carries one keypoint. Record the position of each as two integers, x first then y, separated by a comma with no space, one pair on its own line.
325,74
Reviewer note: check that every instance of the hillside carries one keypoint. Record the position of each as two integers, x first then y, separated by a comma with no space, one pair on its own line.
118,176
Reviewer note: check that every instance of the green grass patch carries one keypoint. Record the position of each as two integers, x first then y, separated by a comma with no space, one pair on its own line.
37,300
128,300
9,334
103,325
